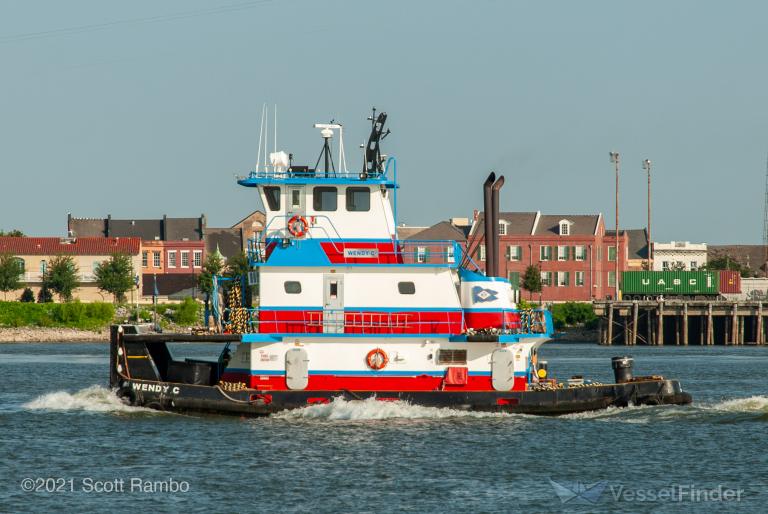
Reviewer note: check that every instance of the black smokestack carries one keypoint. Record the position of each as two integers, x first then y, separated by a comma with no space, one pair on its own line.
495,207
488,219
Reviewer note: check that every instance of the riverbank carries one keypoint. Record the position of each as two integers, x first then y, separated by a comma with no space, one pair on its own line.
52,335
578,335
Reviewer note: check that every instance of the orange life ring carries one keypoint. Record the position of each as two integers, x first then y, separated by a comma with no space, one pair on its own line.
377,359
296,220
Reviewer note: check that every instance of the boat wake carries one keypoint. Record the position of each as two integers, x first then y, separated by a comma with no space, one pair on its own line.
91,399
372,409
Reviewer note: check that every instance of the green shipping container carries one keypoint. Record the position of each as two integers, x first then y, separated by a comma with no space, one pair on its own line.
670,282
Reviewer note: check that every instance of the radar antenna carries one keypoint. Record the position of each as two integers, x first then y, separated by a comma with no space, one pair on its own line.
374,164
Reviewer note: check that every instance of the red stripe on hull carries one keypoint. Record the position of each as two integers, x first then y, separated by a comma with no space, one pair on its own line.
386,253
369,383
501,319
364,322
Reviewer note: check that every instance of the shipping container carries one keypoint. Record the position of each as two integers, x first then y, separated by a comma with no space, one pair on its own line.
730,282
671,283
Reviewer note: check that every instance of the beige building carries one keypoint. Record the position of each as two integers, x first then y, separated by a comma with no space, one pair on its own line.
35,253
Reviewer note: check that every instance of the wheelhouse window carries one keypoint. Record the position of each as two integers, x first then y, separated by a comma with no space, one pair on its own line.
325,198
358,199
272,193
292,287
406,287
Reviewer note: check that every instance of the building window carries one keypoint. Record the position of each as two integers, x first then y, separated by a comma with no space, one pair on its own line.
546,278
272,195
449,255
406,288
198,258
611,253
563,278
611,279
514,253
172,259
580,253
324,198
545,253
514,279
482,252
579,278
20,264
564,228
665,265
292,287
562,253
185,259
694,265
358,199
144,259
156,259
502,228
421,254
43,267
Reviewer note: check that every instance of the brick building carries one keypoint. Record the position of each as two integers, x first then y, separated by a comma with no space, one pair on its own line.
575,255
34,254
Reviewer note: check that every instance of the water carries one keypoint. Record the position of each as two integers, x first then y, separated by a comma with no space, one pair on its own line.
57,420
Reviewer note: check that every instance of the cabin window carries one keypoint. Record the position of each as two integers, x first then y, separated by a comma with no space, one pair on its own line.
451,356
272,194
358,199
406,287
324,198
292,287
296,199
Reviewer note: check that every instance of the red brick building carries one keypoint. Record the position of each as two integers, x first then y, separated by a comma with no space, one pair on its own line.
575,256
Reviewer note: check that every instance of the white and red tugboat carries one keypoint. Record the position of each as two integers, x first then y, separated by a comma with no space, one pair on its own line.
348,310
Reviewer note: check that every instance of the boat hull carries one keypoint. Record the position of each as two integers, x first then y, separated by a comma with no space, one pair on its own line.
183,398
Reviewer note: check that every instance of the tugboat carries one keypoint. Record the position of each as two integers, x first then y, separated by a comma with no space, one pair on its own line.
347,309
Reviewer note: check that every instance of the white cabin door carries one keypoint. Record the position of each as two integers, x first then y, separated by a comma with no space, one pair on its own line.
333,304
502,370
296,368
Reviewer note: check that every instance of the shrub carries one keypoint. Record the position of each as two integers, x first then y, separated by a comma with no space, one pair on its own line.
187,312
570,314
27,296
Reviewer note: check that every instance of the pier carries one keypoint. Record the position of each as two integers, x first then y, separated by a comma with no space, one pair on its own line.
681,322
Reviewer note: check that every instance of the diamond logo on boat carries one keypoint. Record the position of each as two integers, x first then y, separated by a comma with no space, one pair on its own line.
481,294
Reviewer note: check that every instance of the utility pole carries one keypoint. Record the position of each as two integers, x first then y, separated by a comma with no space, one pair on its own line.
615,159
647,168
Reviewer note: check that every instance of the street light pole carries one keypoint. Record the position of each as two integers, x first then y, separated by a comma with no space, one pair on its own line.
616,160
647,168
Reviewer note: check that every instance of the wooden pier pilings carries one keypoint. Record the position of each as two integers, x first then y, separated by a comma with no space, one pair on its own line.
680,322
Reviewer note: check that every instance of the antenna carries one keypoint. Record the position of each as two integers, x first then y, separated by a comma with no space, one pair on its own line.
261,134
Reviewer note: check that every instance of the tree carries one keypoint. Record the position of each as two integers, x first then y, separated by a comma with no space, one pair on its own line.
27,296
12,233
61,276
213,265
115,276
532,280
10,271
45,295
726,262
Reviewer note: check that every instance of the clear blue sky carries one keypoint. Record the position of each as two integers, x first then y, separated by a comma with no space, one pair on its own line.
140,109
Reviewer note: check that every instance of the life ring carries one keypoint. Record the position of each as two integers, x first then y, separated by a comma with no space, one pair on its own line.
377,359
299,221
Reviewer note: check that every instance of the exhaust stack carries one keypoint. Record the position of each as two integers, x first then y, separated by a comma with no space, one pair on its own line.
495,232
488,219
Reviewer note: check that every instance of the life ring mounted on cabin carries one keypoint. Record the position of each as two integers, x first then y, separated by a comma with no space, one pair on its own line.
298,226
377,359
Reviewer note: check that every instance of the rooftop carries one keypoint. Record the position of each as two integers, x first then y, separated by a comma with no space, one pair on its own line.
70,246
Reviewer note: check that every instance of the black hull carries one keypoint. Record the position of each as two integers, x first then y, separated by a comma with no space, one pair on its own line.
184,398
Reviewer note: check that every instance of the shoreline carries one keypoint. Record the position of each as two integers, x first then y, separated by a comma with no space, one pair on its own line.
52,335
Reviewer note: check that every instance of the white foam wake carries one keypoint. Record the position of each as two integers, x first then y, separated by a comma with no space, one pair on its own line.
91,399
751,404
372,409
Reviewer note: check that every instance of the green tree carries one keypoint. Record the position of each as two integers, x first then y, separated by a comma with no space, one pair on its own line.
10,271
61,276
27,296
44,295
12,233
532,280
237,267
213,265
726,262
115,276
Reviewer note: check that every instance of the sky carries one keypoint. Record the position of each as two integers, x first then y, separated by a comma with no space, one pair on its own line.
139,109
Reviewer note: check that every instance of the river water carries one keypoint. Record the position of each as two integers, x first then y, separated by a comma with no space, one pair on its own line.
83,450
